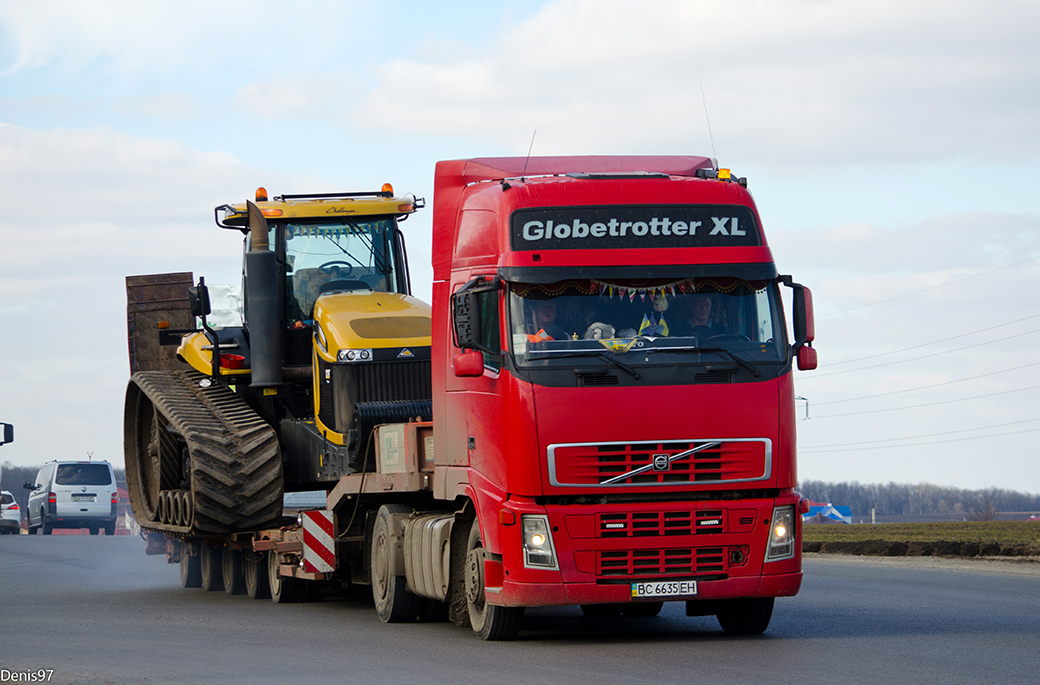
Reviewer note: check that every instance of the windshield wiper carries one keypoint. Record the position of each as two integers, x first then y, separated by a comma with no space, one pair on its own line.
589,353
729,353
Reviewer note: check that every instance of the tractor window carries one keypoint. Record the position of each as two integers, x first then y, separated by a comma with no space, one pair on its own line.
342,255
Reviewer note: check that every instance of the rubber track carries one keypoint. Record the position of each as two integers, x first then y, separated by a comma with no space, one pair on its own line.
236,466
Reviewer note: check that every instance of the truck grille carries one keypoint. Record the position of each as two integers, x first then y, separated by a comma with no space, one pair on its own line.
725,461
661,523
661,562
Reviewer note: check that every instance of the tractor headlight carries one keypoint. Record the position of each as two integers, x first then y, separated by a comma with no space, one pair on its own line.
354,355
781,535
538,543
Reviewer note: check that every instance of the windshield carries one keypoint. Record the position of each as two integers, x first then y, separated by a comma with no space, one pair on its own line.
640,322
83,474
341,255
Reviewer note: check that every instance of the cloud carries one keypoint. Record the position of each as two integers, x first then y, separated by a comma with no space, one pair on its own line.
783,81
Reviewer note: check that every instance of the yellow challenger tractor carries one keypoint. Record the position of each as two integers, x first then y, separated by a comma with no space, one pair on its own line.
331,344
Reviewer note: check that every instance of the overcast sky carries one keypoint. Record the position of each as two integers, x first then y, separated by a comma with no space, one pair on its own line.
892,147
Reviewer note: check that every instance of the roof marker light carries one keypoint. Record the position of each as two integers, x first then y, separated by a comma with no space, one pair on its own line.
387,188
261,194
271,212
724,174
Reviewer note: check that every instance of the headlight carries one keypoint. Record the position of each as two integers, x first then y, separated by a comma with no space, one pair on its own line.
538,544
354,355
781,535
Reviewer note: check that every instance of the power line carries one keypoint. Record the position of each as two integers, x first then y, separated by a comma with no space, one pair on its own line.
927,404
918,437
923,356
925,290
921,444
926,387
935,342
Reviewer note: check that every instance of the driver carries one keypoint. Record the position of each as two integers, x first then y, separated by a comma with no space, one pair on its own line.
695,317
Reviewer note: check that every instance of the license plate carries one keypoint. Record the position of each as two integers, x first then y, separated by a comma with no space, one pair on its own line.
665,588
83,498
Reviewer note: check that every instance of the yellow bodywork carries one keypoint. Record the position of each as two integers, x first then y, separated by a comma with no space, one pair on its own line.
191,351
369,320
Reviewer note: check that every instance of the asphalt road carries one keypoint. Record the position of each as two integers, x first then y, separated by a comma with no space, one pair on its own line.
98,610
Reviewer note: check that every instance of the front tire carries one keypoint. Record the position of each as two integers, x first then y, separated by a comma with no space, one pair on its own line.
748,616
489,621
394,603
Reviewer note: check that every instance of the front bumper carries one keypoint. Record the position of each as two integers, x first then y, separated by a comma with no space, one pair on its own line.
602,549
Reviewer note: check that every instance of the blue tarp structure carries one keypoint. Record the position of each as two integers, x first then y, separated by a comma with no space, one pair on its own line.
827,513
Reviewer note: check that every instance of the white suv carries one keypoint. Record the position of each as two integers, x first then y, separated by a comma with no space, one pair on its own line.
73,494
10,515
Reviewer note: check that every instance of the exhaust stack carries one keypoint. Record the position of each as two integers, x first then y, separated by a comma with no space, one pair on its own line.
265,339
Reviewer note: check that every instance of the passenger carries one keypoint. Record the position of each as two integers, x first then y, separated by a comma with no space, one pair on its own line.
545,324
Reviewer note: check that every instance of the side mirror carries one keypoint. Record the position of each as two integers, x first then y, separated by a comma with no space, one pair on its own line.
469,364
198,299
8,433
29,485
804,323
466,319
807,359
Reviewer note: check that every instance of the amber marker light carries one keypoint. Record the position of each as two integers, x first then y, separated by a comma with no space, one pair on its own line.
261,194
387,188
404,208
724,174
271,212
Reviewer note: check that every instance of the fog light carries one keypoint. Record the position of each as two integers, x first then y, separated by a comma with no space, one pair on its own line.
781,535
538,544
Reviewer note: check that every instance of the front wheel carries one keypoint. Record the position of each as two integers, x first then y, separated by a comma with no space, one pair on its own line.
394,603
489,621
748,616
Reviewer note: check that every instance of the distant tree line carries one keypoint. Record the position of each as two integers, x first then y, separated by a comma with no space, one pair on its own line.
903,499
15,476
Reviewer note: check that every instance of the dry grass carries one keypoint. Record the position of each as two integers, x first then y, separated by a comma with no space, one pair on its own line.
968,538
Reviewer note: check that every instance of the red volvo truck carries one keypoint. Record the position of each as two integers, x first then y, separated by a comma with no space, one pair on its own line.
613,409
629,452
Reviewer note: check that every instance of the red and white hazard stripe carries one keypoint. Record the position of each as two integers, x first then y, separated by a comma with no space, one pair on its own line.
319,547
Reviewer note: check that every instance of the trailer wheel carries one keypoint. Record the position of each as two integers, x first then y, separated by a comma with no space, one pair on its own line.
748,616
191,568
254,570
394,603
489,622
284,590
210,559
231,570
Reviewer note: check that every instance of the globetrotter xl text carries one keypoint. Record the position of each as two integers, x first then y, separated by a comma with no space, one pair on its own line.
634,227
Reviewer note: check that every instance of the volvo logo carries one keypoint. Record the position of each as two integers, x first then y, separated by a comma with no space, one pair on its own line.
661,462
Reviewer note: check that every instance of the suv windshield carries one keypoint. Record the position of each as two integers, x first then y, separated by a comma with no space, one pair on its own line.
83,474
645,323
